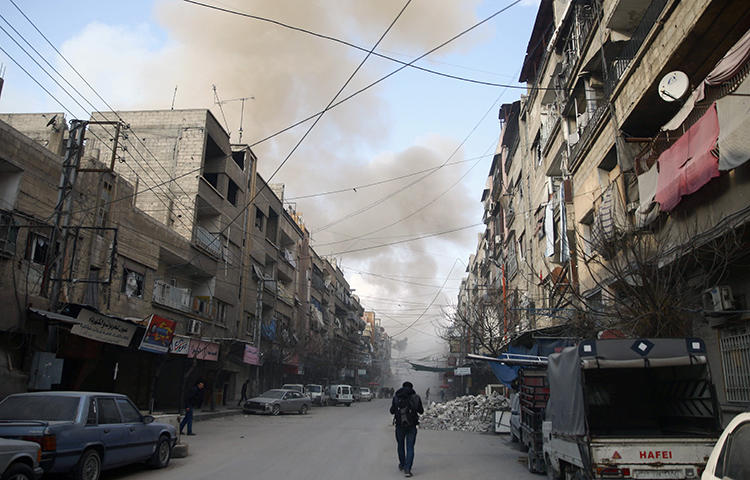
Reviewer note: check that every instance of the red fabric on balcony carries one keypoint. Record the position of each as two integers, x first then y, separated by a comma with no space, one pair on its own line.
690,163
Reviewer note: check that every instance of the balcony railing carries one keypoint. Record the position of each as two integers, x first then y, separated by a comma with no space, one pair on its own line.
211,242
585,18
620,62
587,131
173,297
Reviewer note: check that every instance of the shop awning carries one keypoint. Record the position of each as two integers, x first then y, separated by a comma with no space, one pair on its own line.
427,368
690,163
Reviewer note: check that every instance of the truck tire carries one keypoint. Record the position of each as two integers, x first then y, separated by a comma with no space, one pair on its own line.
551,473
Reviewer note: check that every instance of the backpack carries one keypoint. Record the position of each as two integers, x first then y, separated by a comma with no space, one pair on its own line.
405,414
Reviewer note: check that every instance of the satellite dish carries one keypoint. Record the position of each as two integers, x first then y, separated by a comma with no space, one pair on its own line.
673,86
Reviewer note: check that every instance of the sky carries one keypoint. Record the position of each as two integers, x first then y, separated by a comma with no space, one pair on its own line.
136,53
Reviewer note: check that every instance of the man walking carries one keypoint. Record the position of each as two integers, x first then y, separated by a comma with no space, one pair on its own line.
193,400
243,392
406,407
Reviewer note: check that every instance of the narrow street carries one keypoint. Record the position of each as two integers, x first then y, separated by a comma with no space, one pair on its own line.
330,444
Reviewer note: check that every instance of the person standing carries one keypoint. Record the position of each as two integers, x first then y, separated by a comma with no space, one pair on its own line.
406,407
243,392
442,395
427,396
193,400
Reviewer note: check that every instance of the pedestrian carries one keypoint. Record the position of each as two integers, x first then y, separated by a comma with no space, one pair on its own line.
406,407
427,395
193,400
243,392
442,395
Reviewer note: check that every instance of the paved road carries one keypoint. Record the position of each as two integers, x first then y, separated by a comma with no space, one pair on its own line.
332,443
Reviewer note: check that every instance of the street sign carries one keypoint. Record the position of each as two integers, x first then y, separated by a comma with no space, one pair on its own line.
462,371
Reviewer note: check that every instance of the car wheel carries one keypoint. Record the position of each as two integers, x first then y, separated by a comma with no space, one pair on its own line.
275,410
19,471
162,454
89,466
303,409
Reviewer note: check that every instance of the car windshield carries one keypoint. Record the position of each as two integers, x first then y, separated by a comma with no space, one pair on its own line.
296,388
273,394
313,388
47,408
365,390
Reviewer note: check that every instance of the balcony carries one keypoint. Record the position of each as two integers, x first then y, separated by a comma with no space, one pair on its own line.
172,297
210,242
620,61
585,19
586,133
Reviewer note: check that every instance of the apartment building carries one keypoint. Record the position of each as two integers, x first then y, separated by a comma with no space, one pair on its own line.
613,172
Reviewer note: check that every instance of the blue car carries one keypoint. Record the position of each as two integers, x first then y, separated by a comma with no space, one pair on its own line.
84,433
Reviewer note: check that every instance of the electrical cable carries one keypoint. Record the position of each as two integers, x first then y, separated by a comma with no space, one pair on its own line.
353,45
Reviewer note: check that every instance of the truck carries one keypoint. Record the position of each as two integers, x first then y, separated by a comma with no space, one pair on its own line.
629,408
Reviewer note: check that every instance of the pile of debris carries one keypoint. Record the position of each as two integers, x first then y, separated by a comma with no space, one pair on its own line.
466,414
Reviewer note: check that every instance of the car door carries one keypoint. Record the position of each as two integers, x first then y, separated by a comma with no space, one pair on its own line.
113,434
140,444
287,402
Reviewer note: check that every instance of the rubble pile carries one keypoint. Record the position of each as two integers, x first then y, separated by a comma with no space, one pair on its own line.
466,414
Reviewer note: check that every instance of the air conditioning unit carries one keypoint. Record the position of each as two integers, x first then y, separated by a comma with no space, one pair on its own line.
194,327
718,299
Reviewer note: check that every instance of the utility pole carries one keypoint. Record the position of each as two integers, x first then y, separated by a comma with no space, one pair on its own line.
55,262
258,333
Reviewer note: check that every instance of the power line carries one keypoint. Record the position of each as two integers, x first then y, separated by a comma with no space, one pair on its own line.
363,49
367,87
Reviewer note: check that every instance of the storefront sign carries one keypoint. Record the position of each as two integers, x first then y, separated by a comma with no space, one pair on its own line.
462,371
361,371
158,335
103,329
180,345
251,356
203,350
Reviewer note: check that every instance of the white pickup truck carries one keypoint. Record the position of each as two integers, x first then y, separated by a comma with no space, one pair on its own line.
635,408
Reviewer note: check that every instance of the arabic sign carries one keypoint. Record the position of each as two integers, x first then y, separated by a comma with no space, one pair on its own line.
251,356
158,335
462,371
102,328
180,345
203,350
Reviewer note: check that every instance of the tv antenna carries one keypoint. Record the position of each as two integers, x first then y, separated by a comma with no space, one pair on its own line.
242,100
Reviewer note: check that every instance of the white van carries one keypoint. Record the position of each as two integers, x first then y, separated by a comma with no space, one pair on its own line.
340,394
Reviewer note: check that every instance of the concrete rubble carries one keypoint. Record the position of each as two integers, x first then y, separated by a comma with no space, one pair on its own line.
466,414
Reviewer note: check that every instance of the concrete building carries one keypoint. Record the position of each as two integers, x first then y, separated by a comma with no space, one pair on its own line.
596,161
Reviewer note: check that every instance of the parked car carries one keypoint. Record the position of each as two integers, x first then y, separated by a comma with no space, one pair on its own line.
276,401
365,394
729,459
84,433
317,394
340,394
19,460
297,387
356,394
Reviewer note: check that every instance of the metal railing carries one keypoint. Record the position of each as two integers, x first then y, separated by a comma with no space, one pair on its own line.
620,62
735,360
587,131
208,241
171,296
585,18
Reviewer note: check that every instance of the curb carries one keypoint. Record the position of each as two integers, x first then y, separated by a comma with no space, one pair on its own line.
197,417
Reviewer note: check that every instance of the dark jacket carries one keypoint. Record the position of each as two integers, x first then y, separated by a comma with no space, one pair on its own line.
243,391
194,398
414,400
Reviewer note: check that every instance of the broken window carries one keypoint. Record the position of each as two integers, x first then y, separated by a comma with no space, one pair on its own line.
36,248
132,283
212,179
8,234
259,218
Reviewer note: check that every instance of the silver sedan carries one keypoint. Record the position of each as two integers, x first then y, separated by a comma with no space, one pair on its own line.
274,402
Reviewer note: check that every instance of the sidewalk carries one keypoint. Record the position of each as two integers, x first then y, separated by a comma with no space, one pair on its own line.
218,412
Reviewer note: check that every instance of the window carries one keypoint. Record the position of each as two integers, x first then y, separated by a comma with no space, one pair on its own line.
91,418
232,190
212,179
239,159
259,219
587,223
102,204
734,348
221,311
522,247
107,411
132,283
91,296
736,466
36,248
129,413
8,234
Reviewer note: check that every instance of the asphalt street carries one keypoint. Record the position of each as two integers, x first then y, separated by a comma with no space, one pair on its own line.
332,443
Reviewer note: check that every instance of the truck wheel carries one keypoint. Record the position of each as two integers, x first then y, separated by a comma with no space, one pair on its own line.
551,474
19,471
